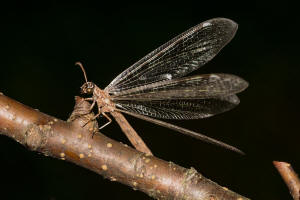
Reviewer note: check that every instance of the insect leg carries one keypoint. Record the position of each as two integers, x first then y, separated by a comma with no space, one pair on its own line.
109,120
89,99
91,107
92,119
93,104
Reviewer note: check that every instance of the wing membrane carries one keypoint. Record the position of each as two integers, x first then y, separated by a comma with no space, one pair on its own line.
185,131
180,109
194,87
178,57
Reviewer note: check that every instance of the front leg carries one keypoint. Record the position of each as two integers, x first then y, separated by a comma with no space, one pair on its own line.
92,106
89,99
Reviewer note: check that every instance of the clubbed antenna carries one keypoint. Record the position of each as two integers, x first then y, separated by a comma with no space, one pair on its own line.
81,66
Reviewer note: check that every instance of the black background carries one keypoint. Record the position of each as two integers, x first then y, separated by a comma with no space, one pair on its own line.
41,42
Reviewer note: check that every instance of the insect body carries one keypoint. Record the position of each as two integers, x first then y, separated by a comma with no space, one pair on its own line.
102,98
155,86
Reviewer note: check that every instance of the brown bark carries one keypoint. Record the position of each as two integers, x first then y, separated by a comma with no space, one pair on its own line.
109,158
290,178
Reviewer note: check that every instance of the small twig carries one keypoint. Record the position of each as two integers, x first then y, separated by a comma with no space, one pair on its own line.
111,159
290,178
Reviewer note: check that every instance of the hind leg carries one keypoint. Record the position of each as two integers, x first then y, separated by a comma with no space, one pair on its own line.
107,117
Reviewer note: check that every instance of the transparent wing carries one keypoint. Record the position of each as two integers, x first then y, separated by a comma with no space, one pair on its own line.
180,109
195,87
184,131
178,57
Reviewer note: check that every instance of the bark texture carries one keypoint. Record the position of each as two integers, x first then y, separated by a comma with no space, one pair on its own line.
68,140
290,178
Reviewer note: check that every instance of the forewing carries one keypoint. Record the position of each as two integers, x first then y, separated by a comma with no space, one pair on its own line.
195,87
180,109
178,57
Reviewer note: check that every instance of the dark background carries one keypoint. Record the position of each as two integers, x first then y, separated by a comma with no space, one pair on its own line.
41,42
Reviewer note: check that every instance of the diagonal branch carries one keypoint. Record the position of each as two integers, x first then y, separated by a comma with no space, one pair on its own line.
290,178
109,158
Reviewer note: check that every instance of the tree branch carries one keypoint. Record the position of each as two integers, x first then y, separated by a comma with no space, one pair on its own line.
109,158
290,178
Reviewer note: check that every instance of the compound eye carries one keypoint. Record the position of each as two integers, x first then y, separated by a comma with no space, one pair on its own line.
91,85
